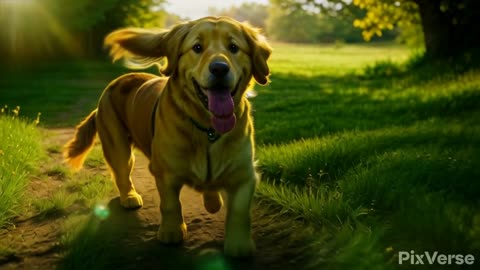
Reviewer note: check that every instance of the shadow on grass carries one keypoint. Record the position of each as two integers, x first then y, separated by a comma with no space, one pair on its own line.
296,107
63,92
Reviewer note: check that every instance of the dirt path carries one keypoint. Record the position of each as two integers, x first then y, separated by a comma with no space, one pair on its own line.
133,233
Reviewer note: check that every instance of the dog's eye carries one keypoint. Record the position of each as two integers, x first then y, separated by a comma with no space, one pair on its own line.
197,48
233,48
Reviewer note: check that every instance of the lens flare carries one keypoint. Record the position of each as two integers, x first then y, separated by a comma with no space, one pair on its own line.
101,211
30,28
211,259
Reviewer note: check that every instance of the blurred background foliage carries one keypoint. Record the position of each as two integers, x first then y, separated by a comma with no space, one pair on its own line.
34,29
58,28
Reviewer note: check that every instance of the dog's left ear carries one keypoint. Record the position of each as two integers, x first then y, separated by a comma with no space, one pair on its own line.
259,52
142,48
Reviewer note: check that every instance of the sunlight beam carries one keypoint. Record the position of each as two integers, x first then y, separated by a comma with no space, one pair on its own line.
24,37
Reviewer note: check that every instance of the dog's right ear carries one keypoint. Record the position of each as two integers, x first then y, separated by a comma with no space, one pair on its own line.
142,48
260,52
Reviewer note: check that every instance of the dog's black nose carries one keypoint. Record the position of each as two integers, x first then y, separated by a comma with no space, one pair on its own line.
218,68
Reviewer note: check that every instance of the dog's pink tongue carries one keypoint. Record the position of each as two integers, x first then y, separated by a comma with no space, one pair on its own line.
220,103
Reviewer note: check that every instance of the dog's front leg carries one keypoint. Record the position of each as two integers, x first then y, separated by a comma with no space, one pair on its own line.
172,227
238,235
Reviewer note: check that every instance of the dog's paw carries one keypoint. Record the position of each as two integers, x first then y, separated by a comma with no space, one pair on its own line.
239,247
212,202
132,201
172,234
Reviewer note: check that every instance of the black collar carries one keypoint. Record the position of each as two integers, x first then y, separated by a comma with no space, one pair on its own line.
211,134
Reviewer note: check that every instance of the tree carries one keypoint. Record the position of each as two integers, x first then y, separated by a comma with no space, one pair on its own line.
290,25
256,14
91,20
449,26
307,23
57,28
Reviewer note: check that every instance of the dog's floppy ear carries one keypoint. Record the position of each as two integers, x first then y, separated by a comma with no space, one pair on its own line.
142,48
259,52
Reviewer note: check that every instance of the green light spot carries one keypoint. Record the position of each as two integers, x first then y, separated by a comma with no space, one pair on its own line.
213,261
101,211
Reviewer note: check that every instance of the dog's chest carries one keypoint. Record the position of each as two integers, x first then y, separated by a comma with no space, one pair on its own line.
208,167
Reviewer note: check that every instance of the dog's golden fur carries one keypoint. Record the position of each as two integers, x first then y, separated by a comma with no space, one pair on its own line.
166,118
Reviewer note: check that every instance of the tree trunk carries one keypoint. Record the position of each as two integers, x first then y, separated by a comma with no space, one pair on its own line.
451,32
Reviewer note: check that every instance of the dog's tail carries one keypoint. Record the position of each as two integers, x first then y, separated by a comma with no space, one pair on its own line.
77,149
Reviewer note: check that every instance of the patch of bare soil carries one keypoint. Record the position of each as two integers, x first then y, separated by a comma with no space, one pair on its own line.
34,242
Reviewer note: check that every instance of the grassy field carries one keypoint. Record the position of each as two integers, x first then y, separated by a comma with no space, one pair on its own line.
373,165
61,92
376,165
20,153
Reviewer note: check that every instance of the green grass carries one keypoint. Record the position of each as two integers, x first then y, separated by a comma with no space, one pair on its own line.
305,107
58,203
95,158
61,92
59,171
20,153
94,188
378,162
86,189
314,60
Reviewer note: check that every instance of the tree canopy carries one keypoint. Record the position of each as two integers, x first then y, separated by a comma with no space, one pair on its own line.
303,21
53,28
254,13
448,26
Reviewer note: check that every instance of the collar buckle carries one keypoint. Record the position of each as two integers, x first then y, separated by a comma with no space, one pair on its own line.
212,135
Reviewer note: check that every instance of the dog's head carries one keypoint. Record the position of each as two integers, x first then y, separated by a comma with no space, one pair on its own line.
213,58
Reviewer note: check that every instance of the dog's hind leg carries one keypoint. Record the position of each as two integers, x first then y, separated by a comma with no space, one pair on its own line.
117,150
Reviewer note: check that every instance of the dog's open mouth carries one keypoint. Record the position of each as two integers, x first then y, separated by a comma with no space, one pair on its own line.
220,103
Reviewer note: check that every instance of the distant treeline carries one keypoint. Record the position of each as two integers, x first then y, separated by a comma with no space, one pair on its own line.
282,23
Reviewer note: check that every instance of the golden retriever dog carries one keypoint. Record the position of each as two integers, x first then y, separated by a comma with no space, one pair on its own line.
194,125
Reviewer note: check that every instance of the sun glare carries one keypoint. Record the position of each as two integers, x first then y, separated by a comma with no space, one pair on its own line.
31,28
